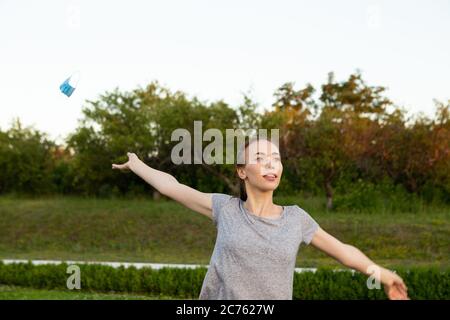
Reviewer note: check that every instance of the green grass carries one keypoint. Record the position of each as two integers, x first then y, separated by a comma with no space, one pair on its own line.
141,230
21,293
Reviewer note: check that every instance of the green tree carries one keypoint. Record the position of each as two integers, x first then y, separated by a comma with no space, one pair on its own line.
26,161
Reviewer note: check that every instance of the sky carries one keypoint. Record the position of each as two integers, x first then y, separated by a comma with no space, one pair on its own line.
215,50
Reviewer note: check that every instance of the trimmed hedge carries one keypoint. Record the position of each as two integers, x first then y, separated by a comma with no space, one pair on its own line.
423,283
183,283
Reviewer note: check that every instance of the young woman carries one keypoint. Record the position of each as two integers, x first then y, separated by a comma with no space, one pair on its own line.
257,241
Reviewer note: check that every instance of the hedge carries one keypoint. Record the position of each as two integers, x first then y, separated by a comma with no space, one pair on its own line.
183,283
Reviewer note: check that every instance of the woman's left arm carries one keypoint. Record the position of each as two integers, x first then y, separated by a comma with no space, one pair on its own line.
353,258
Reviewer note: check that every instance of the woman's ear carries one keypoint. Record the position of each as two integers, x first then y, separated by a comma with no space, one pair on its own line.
241,173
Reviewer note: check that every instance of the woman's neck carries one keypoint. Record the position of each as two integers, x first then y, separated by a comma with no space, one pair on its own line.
261,204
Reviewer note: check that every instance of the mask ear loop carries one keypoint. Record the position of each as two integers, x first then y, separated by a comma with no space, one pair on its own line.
74,79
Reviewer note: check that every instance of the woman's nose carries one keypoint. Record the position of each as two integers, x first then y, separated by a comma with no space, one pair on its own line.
269,163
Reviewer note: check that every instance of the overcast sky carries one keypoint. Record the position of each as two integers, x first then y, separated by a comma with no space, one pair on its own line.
215,50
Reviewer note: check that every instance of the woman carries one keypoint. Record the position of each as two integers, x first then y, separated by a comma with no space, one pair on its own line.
257,240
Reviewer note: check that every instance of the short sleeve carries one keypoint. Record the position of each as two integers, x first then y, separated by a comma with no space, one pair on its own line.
309,226
218,200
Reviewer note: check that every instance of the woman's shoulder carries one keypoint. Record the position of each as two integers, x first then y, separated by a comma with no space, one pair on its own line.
221,199
296,211
223,196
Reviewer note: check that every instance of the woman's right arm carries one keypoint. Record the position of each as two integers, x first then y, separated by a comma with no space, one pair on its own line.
167,185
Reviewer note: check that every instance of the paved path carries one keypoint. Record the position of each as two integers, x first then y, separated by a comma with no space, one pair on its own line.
137,265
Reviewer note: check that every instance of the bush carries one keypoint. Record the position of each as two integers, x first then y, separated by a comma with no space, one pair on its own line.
26,161
183,283
363,196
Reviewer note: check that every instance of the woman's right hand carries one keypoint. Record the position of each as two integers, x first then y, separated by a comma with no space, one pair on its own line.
132,158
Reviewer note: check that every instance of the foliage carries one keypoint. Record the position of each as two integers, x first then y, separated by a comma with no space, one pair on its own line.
325,283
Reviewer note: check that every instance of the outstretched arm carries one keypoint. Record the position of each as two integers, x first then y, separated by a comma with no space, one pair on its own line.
352,257
167,185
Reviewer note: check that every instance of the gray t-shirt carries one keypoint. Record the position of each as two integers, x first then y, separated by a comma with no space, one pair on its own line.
254,257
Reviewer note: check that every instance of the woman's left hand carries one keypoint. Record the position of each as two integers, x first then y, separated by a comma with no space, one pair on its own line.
395,288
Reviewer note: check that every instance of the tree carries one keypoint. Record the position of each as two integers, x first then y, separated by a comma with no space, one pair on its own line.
26,161
329,146
355,95
142,121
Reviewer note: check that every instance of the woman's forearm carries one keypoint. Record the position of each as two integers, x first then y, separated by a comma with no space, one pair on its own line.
352,257
160,180
360,262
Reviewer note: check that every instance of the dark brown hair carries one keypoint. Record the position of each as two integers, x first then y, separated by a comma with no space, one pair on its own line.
240,163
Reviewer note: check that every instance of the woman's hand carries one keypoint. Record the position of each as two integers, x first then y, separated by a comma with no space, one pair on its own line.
394,287
132,159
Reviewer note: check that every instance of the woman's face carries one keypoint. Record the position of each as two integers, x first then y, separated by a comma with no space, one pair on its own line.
263,167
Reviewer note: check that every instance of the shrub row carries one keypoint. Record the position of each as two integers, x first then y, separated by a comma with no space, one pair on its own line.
183,283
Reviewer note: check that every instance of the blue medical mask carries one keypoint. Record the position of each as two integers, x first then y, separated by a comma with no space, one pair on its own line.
69,85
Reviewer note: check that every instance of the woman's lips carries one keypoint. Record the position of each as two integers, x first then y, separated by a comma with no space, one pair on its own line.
270,177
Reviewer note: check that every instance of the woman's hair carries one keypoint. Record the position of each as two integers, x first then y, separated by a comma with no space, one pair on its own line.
240,163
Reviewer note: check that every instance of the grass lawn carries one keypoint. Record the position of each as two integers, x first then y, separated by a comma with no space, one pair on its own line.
20,293
142,230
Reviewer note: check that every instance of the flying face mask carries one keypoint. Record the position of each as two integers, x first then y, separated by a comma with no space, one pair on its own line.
69,85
